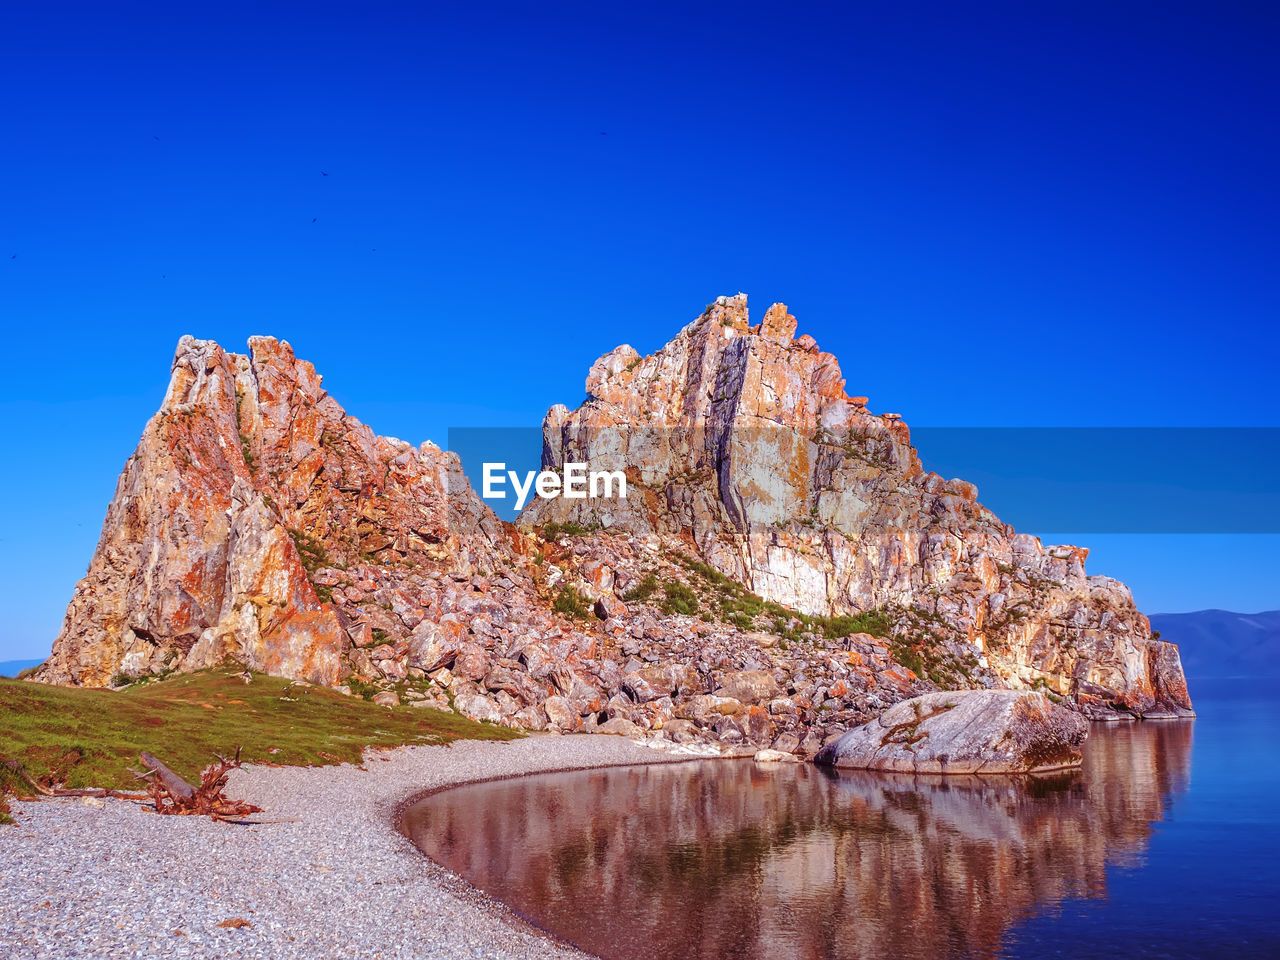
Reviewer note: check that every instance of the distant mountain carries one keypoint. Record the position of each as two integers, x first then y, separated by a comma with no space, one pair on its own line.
1219,643
11,668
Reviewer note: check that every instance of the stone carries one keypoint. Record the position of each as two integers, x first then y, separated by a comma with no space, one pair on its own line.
472,662
650,683
476,706
707,705
532,718
433,646
440,704
386,698
775,756
561,714
964,732
749,686
680,731
787,743
621,726
812,742
610,608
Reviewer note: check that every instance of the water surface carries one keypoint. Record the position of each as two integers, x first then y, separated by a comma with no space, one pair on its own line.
1164,845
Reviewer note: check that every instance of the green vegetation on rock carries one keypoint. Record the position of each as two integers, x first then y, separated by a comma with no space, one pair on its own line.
571,603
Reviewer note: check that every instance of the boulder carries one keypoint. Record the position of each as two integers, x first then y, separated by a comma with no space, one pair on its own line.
387,698
660,680
681,731
621,726
432,646
749,686
561,714
610,608
970,731
775,756
477,707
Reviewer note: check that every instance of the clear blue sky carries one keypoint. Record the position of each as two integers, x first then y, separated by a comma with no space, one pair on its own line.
1015,214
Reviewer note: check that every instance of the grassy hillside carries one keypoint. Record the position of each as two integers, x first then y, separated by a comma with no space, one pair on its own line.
90,737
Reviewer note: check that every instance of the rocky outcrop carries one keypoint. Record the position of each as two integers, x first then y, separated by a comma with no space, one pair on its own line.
742,442
795,577
964,732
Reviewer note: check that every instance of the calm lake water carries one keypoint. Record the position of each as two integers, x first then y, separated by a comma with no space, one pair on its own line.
1166,844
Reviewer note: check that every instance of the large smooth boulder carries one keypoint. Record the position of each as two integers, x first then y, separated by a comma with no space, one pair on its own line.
968,731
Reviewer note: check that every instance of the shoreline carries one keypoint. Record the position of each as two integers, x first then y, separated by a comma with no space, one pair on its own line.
111,879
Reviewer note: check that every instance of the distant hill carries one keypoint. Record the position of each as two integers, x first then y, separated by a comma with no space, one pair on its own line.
11,668
1219,643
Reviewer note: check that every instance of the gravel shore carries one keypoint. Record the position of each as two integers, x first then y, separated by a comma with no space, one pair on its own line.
111,879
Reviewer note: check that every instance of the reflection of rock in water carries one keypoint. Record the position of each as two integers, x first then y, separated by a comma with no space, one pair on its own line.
730,859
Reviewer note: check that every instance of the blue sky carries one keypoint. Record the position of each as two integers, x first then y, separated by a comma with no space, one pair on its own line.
995,215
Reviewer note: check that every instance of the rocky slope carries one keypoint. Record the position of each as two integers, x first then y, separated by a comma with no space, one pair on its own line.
781,569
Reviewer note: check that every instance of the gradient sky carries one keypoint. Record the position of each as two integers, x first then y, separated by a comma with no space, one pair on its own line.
995,215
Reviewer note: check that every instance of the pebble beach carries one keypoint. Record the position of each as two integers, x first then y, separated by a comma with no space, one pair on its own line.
90,878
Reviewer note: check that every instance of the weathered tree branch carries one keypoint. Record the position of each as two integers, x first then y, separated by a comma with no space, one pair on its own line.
18,770
173,795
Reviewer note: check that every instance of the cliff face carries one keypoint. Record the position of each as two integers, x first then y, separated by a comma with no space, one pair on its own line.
258,523
743,439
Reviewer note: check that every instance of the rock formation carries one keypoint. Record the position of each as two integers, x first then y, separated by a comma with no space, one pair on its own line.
742,441
964,732
248,479
781,569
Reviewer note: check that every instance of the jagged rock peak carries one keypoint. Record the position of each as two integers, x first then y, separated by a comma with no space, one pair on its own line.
248,476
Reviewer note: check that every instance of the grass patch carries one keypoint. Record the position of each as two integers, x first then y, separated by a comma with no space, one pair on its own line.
678,598
737,605
311,550
914,646
571,603
643,590
874,622
90,737
363,688
554,531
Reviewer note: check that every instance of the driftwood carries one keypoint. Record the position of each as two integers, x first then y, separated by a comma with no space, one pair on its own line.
171,784
173,795
19,771
169,793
